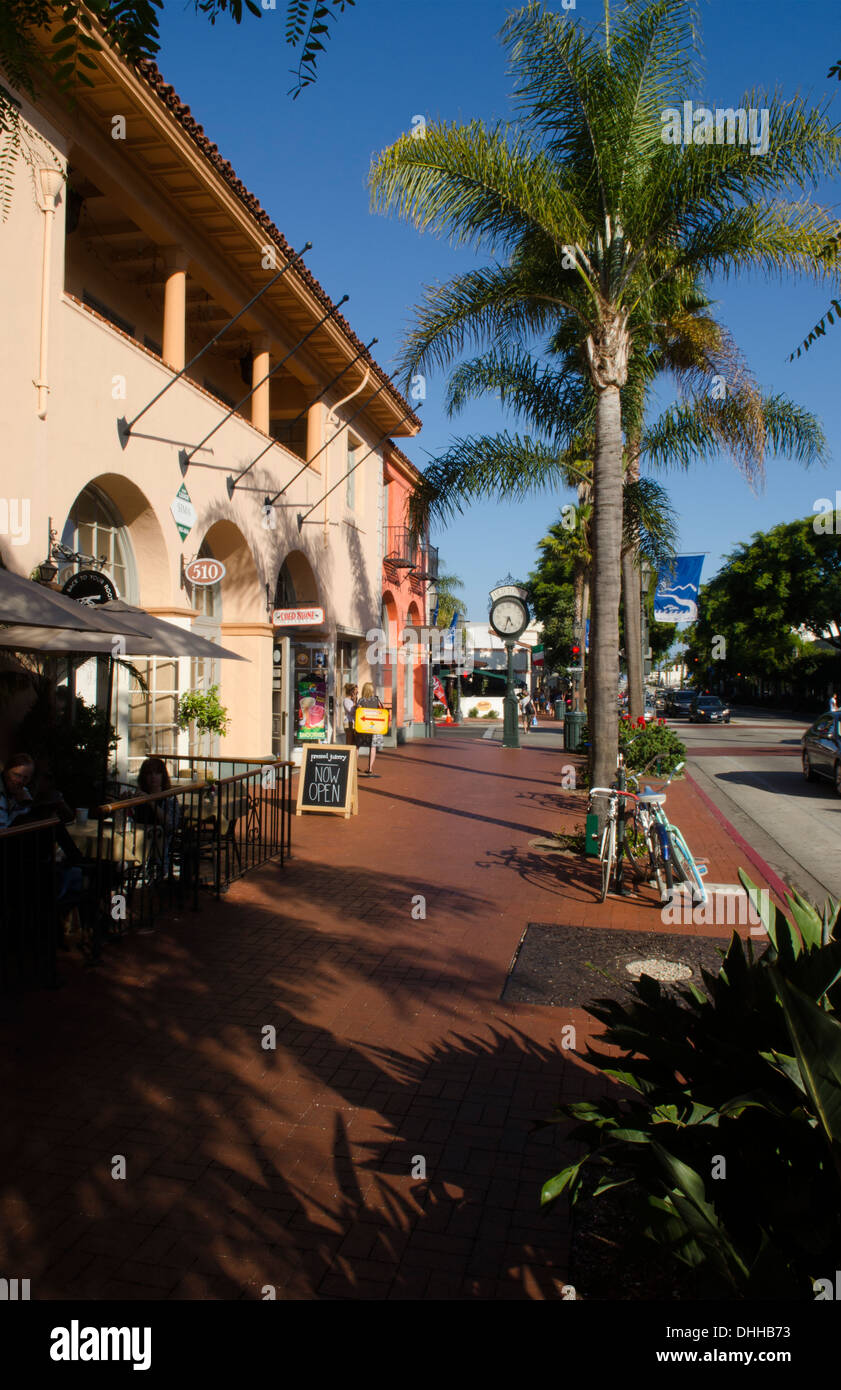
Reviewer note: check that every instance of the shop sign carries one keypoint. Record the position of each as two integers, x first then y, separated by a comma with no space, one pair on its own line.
184,513
297,617
327,781
205,571
90,587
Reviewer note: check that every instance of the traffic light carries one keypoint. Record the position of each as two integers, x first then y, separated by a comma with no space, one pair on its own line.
575,652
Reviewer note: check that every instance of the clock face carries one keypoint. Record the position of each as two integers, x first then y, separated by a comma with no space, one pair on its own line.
509,617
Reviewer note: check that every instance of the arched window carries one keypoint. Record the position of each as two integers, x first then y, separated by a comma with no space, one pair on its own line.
207,599
94,527
285,596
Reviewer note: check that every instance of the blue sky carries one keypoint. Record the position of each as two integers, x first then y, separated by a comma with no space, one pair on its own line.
388,60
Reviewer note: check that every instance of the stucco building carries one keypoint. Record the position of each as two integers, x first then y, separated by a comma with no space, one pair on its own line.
130,245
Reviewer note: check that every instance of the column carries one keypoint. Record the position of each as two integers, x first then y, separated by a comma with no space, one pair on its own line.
175,307
260,367
315,415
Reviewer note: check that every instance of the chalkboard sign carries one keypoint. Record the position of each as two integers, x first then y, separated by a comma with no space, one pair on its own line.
327,781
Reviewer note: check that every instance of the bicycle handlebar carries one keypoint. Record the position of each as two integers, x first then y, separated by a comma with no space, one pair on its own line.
612,791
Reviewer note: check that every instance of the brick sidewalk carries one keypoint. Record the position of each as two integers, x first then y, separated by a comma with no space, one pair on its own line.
301,1167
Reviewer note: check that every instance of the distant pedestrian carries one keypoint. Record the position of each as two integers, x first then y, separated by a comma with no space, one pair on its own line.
373,742
833,703
348,706
528,711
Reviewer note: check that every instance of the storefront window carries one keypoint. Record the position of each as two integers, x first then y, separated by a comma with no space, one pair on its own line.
95,528
207,599
152,713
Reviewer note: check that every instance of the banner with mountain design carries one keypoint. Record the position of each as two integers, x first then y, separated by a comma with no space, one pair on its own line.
676,599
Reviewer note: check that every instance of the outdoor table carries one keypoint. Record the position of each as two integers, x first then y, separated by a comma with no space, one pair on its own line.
127,845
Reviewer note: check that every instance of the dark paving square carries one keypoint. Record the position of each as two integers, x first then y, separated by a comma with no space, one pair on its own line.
561,965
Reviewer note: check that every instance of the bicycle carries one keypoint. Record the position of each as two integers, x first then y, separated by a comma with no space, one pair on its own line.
607,845
666,844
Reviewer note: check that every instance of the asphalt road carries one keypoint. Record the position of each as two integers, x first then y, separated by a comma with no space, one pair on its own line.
751,770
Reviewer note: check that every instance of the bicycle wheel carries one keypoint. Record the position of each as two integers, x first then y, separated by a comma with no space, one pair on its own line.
686,866
607,855
660,850
637,856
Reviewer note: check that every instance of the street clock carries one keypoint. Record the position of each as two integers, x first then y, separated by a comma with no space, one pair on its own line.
509,616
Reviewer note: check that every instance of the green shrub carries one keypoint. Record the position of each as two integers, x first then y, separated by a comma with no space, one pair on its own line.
473,712
655,744
489,714
732,1138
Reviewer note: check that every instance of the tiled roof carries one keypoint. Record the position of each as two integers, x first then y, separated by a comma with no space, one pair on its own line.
151,74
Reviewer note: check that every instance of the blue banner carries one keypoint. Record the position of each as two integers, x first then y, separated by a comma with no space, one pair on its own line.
676,599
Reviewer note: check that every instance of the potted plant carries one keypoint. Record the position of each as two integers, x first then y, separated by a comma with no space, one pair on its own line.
203,709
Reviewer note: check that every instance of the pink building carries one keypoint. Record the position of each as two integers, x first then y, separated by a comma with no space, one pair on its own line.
410,571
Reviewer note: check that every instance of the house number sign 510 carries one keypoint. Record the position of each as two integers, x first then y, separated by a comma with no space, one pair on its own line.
204,571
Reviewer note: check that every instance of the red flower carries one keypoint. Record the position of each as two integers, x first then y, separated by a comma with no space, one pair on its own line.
641,722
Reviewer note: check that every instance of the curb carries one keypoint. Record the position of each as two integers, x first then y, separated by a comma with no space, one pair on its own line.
776,883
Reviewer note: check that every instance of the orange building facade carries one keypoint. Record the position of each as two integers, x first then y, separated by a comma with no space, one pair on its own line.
410,573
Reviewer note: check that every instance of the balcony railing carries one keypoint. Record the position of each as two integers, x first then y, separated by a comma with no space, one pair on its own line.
427,569
401,550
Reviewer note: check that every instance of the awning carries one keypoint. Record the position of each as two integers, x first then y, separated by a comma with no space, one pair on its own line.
176,641
37,605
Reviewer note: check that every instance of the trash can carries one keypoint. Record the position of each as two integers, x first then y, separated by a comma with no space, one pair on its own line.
574,721
560,709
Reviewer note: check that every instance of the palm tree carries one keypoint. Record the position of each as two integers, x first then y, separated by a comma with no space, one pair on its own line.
594,212
449,602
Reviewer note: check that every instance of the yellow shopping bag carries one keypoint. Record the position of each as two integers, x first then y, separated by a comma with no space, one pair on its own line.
371,721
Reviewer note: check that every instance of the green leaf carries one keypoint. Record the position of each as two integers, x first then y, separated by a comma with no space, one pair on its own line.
816,1037
567,1178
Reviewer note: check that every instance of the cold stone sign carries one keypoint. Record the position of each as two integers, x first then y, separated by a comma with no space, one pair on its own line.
327,780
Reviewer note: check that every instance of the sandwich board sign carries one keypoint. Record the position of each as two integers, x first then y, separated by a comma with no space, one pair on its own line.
327,781
183,512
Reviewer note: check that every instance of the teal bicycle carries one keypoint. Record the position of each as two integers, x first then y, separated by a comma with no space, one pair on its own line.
670,857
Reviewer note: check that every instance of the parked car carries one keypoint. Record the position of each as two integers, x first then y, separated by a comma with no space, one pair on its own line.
709,709
821,750
680,701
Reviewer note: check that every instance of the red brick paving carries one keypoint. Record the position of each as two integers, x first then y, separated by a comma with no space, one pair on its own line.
292,1168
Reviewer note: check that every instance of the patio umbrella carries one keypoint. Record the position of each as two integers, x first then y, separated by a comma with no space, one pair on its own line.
24,601
177,641
159,639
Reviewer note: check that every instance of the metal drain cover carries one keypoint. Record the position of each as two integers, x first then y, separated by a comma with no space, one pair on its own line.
666,970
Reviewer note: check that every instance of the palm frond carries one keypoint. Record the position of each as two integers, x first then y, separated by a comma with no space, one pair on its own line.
504,465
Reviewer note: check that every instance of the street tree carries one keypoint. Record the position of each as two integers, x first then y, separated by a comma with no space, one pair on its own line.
592,208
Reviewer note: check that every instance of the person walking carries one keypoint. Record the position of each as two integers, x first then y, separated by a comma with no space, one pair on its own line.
833,703
373,742
349,706
528,712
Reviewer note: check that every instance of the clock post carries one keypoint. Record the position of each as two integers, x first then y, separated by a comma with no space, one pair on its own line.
511,721
509,618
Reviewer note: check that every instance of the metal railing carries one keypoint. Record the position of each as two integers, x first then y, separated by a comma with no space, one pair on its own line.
153,853
30,885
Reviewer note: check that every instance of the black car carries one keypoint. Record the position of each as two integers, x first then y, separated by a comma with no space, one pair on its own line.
822,750
708,709
680,701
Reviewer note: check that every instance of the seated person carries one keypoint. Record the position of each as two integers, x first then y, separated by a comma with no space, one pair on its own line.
15,796
165,814
154,777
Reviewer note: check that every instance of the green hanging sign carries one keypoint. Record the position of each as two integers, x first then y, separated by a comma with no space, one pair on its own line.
183,512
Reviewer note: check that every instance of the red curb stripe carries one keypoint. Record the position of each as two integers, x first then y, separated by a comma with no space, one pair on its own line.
776,883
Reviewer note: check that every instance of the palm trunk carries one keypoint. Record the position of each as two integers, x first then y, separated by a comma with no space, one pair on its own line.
607,352
579,590
631,601
607,555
